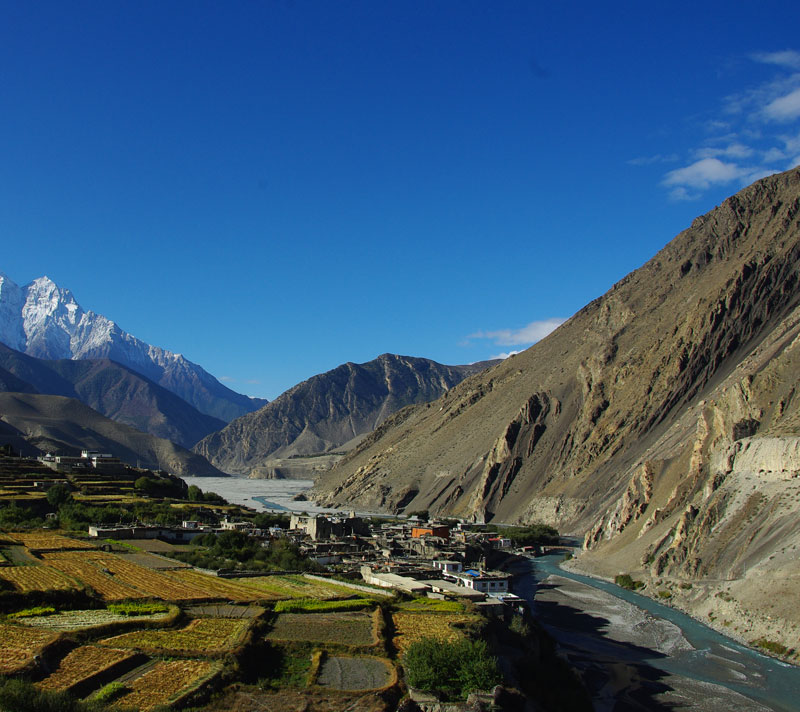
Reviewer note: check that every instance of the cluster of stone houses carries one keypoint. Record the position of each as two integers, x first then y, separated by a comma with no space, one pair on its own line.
430,558
89,460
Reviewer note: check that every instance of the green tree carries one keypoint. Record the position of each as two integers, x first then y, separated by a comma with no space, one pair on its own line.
59,494
194,494
450,670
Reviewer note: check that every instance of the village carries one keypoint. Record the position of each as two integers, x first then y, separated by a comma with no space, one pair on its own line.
446,560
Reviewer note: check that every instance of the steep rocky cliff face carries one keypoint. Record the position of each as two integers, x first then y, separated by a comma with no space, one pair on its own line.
558,431
328,412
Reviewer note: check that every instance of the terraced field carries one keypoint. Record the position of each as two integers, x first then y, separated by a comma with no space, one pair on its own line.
412,626
18,645
84,663
202,636
291,586
356,673
355,628
164,682
37,578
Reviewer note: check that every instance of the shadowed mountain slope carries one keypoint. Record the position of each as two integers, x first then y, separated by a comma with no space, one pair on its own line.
115,391
330,411
65,425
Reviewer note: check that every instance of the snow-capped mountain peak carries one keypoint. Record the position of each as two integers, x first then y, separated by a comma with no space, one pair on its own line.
46,321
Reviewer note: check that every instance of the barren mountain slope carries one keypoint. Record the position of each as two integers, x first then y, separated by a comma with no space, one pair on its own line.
114,390
65,425
329,411
552,433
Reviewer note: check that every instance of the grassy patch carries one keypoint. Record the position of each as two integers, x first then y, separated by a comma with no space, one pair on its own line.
433,605
35,611
772,646
311,605
137,609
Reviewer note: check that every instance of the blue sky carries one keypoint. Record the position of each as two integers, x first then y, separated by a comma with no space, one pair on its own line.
275,188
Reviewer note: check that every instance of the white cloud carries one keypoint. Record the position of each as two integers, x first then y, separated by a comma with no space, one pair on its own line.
530,334
680,194
793,163
787,58
703,174
742,145
733,150
227,379
649,160
503,355
784,108
773,154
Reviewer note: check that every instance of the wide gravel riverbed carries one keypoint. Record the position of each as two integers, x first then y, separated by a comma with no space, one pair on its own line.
638,655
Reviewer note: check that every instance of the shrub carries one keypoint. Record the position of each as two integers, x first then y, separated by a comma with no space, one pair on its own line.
625,581
450,670
22,696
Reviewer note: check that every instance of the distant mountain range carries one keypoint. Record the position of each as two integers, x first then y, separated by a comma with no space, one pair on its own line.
45,321
330,411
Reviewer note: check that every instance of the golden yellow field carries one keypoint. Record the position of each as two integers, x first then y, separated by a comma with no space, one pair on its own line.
19,644
37,578
201,636
163,682
81,663
48,541
215,587
413,626
85,570
292,586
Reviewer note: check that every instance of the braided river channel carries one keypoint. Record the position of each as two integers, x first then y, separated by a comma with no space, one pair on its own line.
636,654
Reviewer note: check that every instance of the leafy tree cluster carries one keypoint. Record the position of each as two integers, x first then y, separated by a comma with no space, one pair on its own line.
160,487
235,550
450,670
195,494
14,516
529,535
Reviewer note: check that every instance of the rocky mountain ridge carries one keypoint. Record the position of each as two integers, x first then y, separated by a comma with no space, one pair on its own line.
330,411
45,321
661,421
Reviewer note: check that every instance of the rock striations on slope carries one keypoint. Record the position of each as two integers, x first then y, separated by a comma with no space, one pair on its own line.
330,411
45,321
662,421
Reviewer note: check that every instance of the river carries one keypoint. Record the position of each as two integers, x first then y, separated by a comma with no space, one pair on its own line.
636,654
